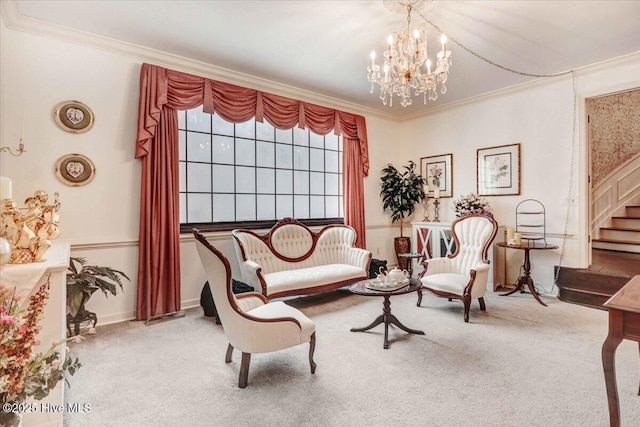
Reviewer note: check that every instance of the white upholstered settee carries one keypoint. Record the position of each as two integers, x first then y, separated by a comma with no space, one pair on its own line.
293,260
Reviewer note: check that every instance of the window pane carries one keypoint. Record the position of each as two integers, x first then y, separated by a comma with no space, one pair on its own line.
198,147
284,156
245,207
222,126
317,183
301,206
266,152
182,119
284,206
199,177
246,129
223,207
332,207
301,158
284,181
266,181
223,148
266,207
198,121
284,136
223,179
182,176
331,181
183,208
199,208
245,152
317,207
340,188
265,131
182,145
300,136
331,141
317,160
331,158
301,182
316,140
341,206
245,180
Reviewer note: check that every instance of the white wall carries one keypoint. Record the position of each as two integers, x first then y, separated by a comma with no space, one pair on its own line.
539,117
100,219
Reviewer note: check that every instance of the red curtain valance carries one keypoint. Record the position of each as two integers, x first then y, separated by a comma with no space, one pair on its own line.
236,104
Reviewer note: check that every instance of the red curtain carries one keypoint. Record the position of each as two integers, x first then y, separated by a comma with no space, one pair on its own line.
164,91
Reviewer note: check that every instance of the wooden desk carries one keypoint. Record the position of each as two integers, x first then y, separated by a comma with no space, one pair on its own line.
624,322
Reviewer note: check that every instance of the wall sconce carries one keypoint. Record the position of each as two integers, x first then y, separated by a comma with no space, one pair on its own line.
19,152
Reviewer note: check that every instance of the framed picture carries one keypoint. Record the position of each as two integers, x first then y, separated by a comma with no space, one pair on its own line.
74,116
75,170
498,170
438,174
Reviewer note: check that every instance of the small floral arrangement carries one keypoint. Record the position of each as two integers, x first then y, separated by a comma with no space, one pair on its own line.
25,373
436,173
469,203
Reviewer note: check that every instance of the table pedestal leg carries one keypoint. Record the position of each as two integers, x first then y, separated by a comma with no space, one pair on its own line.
525,279
387,318
609,365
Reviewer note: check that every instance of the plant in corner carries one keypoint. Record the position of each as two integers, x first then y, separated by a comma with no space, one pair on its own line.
401,192
82,281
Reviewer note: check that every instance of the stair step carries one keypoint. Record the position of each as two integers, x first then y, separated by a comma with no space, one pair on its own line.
616,245
620,234
587,287
626,222
633,211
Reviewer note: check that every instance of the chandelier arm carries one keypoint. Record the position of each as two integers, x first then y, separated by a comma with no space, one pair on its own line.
487,60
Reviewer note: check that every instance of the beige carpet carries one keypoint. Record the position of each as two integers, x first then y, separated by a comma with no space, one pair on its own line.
518,364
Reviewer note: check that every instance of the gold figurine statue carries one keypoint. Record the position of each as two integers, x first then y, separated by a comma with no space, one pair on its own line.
29,233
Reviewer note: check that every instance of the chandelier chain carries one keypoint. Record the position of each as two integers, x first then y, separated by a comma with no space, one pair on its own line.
487,60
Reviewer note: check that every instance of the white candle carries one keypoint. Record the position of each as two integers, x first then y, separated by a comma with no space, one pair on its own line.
518,238
436,193
510,234
5,188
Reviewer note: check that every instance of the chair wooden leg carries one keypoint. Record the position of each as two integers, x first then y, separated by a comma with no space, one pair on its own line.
244,370
419,296
227,358
467,304
312,349
483,307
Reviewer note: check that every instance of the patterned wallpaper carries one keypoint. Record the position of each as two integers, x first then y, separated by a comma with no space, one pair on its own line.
615,131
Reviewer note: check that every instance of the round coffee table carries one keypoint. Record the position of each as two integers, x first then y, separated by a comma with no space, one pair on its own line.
360,288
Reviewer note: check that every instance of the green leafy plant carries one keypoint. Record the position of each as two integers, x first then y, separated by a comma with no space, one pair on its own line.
82,282
401,191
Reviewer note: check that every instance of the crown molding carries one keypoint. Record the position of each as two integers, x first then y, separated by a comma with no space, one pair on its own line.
619,61
17,22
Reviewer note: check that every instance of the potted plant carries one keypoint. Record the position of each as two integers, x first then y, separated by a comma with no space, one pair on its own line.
82,281
401,191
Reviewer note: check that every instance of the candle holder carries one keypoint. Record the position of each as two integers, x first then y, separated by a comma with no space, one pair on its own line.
426,210
436,210
19,152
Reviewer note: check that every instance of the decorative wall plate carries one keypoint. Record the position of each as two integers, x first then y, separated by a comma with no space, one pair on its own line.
74,116
75,170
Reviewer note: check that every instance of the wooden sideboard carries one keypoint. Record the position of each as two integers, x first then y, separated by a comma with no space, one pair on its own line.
27,278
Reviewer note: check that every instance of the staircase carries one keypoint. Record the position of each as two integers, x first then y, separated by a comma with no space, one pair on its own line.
624,233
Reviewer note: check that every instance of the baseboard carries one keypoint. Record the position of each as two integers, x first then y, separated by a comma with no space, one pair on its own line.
126,316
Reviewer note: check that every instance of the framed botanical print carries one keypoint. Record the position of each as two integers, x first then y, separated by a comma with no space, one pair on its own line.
437,172
75,170
74,116
498,170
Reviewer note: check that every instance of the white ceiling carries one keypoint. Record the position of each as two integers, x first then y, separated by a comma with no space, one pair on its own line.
323,46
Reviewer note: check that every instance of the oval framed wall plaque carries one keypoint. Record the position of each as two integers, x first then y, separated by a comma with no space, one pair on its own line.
75,170
74,117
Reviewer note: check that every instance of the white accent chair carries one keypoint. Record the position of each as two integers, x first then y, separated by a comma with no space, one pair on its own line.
250,322
463,275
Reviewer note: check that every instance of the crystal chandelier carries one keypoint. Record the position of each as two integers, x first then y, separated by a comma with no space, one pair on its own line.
402,71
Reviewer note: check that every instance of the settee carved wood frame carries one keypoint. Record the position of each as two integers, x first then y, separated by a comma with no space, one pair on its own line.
266,239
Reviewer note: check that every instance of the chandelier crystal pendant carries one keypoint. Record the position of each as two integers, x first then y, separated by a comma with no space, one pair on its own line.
406,70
